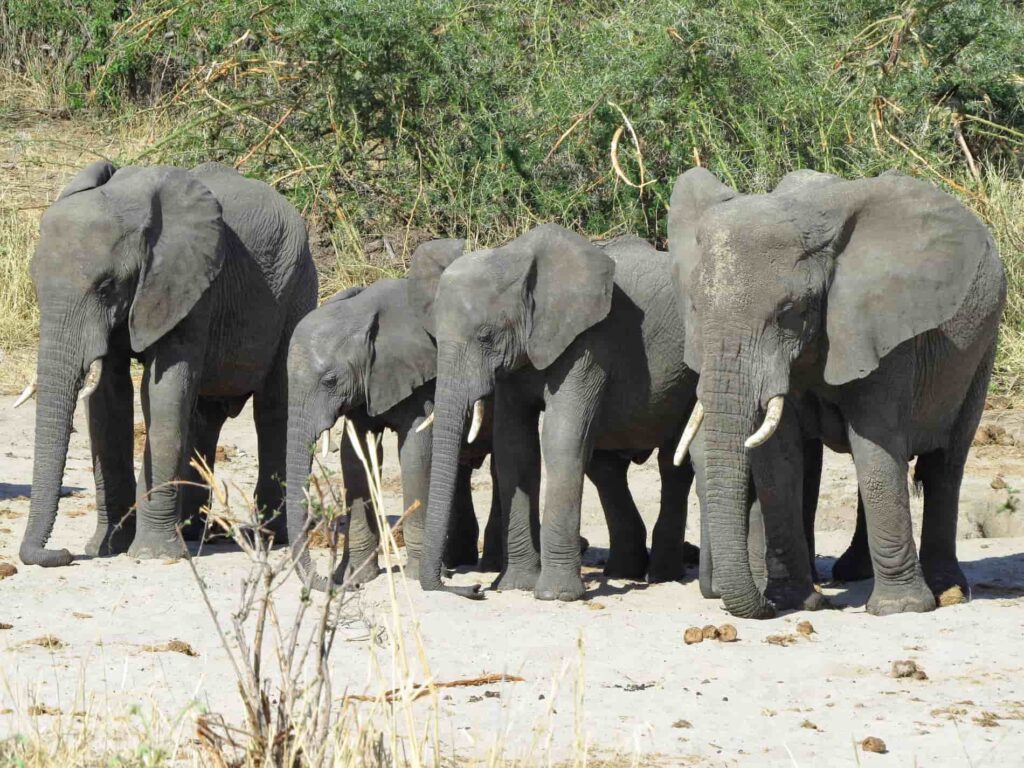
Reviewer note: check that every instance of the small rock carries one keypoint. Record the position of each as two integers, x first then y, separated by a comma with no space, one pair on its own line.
4,625
682,724
594,605
693,635
492,694
805,628
727,633
809,725
7,570
998,482
908,668
874,744
710,632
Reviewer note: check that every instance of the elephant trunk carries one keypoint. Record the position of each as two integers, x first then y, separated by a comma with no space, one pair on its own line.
731,415
302,434
59,377
451,406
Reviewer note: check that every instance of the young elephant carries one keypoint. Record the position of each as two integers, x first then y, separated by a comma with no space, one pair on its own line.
201,275
365,355
590,335
882,297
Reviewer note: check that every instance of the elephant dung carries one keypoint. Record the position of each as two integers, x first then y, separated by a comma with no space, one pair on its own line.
710,632
805,628
693,635
7,570
874,744
908,668
727,633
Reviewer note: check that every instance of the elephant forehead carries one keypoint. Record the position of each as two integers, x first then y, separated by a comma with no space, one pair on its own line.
75,239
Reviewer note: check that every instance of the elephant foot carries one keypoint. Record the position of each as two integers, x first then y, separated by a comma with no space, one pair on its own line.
627,563
517,577
559,584
887,599
670,563
460,552
363,567
796,596
946,581
584,545
853,565
156,546
274,527
109,541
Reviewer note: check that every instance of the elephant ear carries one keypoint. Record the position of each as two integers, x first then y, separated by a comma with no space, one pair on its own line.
403,353
93,175
804,179
428,261
348,293
571,289
906,254
694,192
182,230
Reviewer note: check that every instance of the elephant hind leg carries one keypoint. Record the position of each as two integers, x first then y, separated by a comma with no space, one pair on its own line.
855,563
270,412
204,430
670,554
941,473
464,530
627,556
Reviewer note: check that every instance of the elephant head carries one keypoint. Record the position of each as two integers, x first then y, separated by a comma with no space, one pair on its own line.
363,349
495,312
123,256
807,287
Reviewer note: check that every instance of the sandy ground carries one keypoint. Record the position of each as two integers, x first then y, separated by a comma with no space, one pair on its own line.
612,671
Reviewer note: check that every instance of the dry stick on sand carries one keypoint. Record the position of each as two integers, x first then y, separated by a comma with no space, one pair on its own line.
419,689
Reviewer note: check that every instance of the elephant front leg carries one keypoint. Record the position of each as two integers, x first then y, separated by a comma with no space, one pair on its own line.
567,451
882,478
111,433
855,563
362,539
670,554
517,455
493,557
168,397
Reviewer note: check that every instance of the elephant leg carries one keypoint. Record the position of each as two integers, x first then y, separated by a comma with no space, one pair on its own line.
270,412
111,432
855,563
168,398
464,530
207,420
882,477
414,457
567,449
670,554
517,455
627,556
778,473
813,450
493,556
362,539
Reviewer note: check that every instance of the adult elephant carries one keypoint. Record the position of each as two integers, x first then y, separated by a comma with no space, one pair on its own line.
590,335
880,296
201,275
365,355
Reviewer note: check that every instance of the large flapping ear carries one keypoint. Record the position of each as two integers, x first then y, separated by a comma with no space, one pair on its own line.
571,288
905,254
694,192
428,261
403,353
93,175
181,232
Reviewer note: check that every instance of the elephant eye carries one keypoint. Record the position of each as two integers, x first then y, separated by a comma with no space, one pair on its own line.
105,288
791,316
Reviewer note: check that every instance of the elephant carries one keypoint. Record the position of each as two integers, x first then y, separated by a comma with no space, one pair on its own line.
589,335
201,276
366,356
879,296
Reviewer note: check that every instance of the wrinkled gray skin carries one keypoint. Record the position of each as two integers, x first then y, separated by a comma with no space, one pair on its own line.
882,298
591,336
365,355
201,275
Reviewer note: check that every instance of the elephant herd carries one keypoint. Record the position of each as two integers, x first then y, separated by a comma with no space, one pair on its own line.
861,315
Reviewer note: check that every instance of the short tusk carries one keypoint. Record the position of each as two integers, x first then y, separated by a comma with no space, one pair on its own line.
696,417
26,395
478,421
425,424
92,378
325,444
771,422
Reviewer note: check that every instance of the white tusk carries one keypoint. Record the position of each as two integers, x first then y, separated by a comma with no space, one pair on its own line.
92,378
26,395
696,417
478,421
771,422
325,444
425,424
